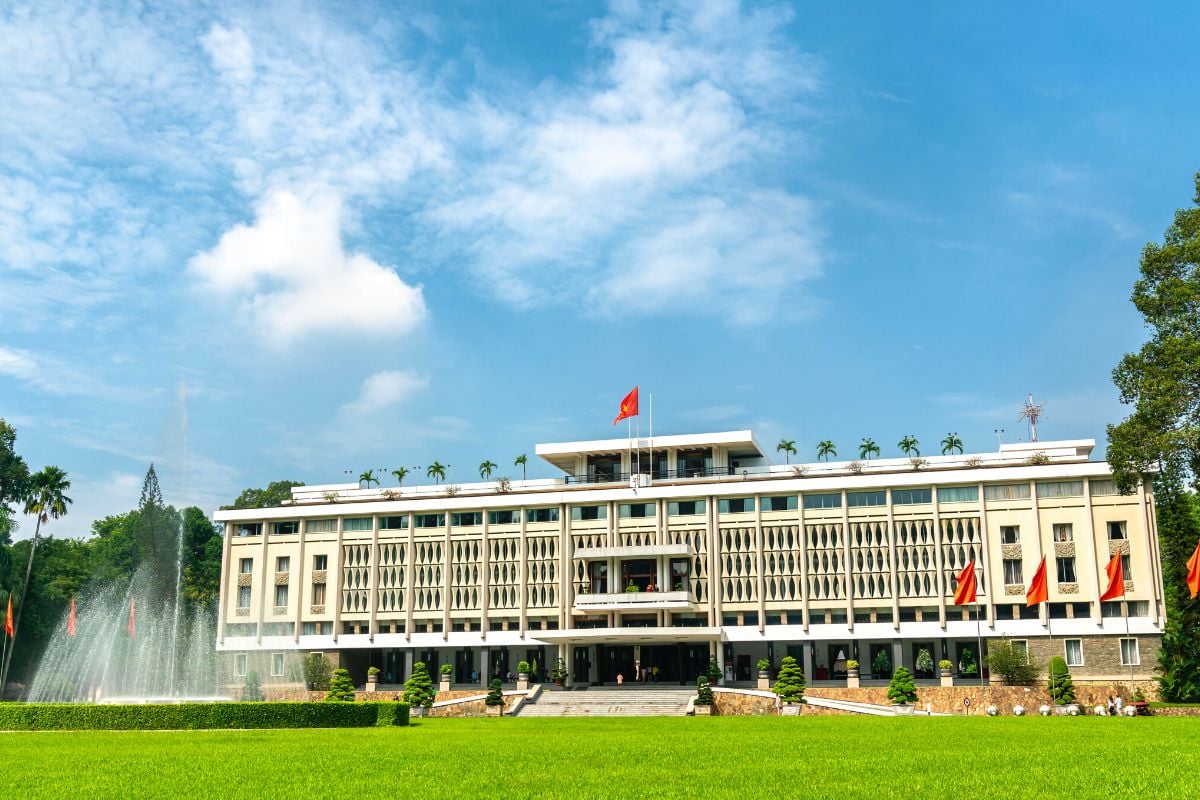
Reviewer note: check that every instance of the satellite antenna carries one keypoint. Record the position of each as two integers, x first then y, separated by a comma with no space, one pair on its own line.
1033,412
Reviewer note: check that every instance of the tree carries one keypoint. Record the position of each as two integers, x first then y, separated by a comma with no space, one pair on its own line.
1062,689
437,471
14,475
368,477
790,684
401,473
317,671
1178,513
788,448
202,558
341,688
868,448
520,462
155,536
901,690
251,690
495,695
952,443
271,497
908,446
704,692
825,449
418,689
45,500
485,469
1010,662
881,665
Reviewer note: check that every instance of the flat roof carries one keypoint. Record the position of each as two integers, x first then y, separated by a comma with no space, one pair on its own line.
562,454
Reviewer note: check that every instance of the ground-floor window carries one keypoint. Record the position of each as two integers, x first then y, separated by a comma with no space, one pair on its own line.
1130,657
239,665
276,665
1074,652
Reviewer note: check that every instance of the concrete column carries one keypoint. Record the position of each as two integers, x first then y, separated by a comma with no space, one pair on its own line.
1092,564
410,573
335,585
714,561
994,577
847,564
806,653
898,655
447,570
408,664
804,593
566,563
1151,555
485,667
1043,608
523,582
373,579
893,576
485,595
262,582
760,565
938,560
1150,531
296,589
226,575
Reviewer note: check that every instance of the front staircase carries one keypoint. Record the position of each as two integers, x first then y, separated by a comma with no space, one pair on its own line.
602,701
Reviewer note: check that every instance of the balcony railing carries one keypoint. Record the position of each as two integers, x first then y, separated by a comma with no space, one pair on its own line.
657,474
618,601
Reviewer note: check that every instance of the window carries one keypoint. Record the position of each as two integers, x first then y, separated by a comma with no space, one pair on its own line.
1130,657
1110,609
911,497
1066,569
1051,489
1074,652
1006,491
1125,573
958,494
393,523
679,574
282,563
249,529
685,508
637,510
241,629
320,562
281,595
239,665
289,527
1021,646
589,512
1103,488
466,519
859,499
1012,571
541,515
245,566
277,665
429,520
321,526
827,500
783,502
318,594
736,505
243,597
1139,608
1116,530
357,524
509,517
1010,534
1062,532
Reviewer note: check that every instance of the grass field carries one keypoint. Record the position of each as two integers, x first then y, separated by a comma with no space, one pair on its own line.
740,757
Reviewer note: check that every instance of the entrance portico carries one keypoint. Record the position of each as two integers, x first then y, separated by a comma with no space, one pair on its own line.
599,655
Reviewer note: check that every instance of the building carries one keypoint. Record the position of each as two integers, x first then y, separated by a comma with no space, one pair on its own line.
659,553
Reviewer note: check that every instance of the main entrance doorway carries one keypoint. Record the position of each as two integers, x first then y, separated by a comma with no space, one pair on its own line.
677,663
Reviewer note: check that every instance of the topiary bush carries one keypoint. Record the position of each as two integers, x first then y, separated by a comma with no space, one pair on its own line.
881,665
495,695
1062,688
317,671
341,688
523,666
713,672
704,694
790,683
251,690
446,669
418,690
764,665
198,716
1011,663
902,689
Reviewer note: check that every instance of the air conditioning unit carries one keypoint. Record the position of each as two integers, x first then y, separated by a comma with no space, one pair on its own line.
639,481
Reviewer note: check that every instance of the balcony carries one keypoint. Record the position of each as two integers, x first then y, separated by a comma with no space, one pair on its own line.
634,601
658,475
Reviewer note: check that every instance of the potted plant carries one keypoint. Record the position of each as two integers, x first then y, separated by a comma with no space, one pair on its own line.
851,673
764,674
418,690
446,671
881,665
924,663
790,687
631,588
372,678
559,674
523,675
946,668
1062,688
494,702
703,705
713,672
902,692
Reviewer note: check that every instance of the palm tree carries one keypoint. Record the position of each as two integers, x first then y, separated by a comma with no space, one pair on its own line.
485,469
401,473
908,446
45,501
826,449
437,471
520,462
868,448
368,478
788,447
952,443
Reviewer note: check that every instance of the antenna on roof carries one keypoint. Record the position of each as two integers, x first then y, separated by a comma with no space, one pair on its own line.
1033,412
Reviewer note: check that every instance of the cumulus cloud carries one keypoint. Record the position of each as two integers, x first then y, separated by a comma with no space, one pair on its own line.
290,274
384,389
230,51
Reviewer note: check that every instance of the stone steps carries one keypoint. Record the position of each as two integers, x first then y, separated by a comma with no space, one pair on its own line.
604,702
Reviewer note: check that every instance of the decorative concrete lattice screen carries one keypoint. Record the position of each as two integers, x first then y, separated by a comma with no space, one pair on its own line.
356,565
543,569
825,578
591,539
697,542
870,559
962,543
502,561
391,577
916,567
427,576
739,576
465,566
782,560
638,537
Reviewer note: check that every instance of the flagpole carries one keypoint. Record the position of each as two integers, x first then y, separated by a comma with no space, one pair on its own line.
652,435
978,634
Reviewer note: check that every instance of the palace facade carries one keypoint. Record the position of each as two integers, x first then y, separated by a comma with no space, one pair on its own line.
658,553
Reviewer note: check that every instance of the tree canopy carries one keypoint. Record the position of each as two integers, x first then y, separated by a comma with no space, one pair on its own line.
270,497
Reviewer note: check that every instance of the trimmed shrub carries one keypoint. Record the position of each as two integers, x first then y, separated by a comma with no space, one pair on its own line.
1062,688
446,669
764,665
523,666
881,665
902,689
713,673
341,688
790,683
1011,663
317,672
946,664
251,691
495,696
924,662
198,716
704,695
418,690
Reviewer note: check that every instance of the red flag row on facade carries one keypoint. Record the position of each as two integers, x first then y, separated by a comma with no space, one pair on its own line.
965,588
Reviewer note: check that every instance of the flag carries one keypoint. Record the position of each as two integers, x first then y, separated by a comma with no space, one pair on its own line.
1116,580
629,406
132,628
1037,590
964,592
1193,575
71,619
8,626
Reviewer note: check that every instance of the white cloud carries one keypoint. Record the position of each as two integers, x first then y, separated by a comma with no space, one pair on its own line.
231,52
384,389
291,275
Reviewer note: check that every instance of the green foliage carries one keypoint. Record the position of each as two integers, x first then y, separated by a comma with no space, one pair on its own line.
495,695
825,449
341,688
881,665
446,669
486,468
437,471
14,474
372,672
924,662
851,663
418,689
198,716
790,684
946,663
559,672
704,693
523,666
966,662
1062,689
713,672
1010,662
868,448
1178,513
908,446
788,448
271,497
902,689
763,665
1178,662
251,690
317,672
952,443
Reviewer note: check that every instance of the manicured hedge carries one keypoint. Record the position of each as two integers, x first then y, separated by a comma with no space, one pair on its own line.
198,716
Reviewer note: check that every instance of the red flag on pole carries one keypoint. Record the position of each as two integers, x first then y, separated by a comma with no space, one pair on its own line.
629,406
964,592
1038,593
1116,579
8,625
71,619
132,628
1193,575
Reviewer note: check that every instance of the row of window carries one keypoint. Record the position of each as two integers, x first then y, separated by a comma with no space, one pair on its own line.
1064,532
1073,651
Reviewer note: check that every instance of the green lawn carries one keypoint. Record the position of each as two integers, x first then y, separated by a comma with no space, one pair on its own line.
747,758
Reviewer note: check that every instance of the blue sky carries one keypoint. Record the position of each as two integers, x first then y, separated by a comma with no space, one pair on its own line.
253,242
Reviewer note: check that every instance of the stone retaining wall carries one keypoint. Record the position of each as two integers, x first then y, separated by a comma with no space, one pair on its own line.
950,699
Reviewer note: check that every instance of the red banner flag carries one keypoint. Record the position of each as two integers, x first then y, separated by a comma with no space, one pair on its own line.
1116,579
71,619
8,626
629,406
132,628
1038,593
1193,575
964,592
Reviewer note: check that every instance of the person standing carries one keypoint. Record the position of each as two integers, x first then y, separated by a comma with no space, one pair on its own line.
1110,706
620,680
1120,705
